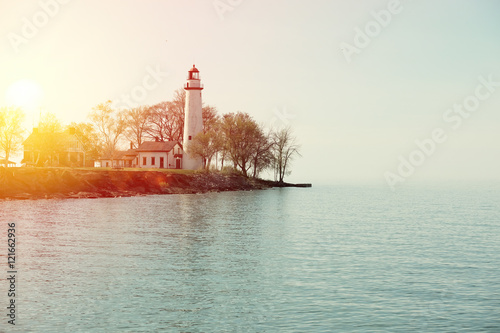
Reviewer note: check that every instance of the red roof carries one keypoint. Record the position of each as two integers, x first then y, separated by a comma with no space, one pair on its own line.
130,152
157,146
117,155
194,69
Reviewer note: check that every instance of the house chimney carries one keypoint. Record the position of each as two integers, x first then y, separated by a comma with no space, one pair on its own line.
35,130
131,145
71,131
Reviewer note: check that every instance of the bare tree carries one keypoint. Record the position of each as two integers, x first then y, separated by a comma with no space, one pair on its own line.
164,123
11,131
262,157
137,121
158,121
166,119
285,149
178,112
110,124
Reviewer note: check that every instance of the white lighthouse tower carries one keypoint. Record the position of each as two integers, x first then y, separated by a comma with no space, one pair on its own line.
193,120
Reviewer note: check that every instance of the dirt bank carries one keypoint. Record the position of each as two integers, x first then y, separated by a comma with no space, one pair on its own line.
38,183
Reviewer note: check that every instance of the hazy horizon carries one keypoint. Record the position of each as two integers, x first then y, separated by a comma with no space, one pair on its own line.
363,85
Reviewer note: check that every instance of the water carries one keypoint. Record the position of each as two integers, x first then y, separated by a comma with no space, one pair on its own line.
325,259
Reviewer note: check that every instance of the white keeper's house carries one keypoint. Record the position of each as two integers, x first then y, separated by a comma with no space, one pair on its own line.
163,155
167,154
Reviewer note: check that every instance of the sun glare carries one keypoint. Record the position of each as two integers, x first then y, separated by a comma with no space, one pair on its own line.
26,94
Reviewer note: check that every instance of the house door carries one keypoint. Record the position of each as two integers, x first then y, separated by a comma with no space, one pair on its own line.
161,162
178,163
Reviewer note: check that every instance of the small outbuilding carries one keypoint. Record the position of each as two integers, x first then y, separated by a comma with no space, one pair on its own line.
4,162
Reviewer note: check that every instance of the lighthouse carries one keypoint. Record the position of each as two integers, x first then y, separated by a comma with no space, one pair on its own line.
193,120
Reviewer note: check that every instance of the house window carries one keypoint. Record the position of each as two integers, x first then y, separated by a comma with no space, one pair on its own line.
190,137
107,164
143,161
178,150
152,161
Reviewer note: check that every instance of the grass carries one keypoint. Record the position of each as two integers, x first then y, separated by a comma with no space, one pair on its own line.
167,171
225,172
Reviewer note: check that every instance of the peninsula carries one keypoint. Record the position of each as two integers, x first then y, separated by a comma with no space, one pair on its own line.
41,183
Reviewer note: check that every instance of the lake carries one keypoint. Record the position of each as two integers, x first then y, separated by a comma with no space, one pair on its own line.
324,259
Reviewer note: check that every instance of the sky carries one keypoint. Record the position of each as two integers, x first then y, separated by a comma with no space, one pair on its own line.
387,92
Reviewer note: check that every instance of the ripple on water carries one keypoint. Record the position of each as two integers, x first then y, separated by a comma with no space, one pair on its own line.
346,259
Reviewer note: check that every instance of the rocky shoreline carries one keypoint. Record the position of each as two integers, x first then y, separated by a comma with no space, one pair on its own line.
48,183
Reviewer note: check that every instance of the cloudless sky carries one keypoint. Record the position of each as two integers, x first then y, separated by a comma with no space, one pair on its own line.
283,63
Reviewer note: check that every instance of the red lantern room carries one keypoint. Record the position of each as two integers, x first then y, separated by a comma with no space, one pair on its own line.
194,74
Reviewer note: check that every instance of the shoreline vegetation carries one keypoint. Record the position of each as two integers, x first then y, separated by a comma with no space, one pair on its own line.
65,183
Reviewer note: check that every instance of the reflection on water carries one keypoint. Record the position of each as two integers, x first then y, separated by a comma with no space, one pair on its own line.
323,259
